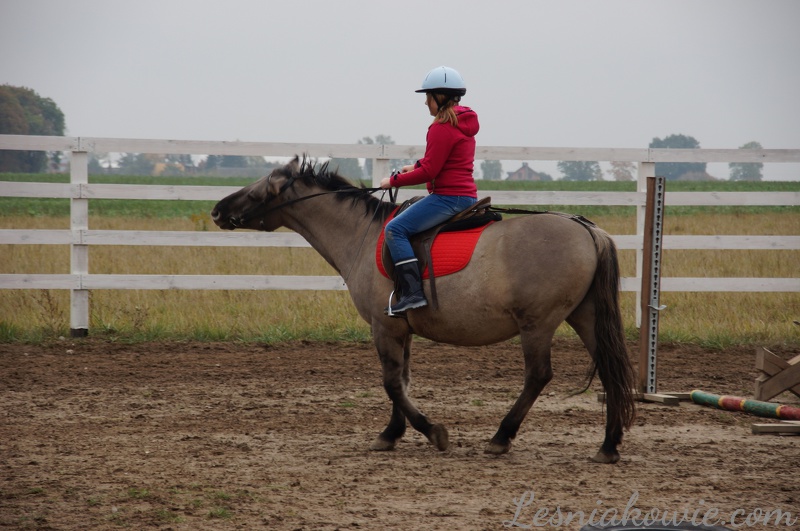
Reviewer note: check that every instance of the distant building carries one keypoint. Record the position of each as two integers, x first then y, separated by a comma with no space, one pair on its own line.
525,173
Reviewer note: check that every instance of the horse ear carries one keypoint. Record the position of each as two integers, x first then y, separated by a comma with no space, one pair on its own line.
274,181
294,165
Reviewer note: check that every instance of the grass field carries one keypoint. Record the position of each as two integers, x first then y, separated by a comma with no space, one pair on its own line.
711,319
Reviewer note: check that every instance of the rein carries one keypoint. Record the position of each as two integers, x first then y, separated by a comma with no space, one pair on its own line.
257,212
289,182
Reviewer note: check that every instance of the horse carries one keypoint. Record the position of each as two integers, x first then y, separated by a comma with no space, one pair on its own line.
528,274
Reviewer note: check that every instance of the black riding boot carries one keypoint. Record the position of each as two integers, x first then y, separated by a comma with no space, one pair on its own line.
411,294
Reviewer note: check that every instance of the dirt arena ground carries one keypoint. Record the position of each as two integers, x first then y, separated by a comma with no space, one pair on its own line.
181,435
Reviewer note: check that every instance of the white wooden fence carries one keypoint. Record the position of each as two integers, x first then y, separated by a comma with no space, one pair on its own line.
80,281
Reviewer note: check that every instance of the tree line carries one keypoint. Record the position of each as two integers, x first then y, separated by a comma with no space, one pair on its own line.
24,112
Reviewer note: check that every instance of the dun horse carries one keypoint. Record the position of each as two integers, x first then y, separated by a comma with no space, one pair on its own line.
527,275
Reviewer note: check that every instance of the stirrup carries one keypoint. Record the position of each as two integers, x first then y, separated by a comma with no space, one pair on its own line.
388,310
420,302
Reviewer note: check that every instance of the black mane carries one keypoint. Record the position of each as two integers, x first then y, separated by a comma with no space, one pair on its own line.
311,174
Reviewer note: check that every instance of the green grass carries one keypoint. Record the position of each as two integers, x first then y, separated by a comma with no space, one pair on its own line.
711,319
35,207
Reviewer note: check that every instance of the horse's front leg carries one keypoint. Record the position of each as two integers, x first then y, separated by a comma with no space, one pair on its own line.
395,353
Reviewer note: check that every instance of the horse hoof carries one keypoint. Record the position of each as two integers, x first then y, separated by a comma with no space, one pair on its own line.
604,458
497,448
382,445
439,437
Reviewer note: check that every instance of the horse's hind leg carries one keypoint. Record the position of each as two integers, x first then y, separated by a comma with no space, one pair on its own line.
538,372
582,320
395,357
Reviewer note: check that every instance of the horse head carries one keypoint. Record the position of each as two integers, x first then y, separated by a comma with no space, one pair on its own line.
257,206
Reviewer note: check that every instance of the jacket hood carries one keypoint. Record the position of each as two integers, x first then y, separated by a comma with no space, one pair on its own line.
467,120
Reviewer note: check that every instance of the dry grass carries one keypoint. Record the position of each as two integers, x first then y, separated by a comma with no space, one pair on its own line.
709,318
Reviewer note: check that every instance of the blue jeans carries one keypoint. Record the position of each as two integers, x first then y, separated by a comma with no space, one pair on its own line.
421,216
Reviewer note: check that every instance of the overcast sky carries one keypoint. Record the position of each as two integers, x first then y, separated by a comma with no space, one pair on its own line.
560,73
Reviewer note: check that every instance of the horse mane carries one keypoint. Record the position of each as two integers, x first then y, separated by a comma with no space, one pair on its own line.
322,176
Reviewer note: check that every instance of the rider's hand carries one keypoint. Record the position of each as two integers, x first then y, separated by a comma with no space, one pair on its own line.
386,183
407,169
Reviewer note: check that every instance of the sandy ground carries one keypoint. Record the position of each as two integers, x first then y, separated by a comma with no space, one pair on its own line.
181,435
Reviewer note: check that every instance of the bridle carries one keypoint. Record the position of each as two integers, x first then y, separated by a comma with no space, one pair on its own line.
263,208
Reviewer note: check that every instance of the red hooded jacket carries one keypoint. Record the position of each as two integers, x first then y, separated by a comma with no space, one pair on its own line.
449,158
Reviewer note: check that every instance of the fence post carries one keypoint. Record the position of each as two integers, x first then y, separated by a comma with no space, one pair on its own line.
646,169
79,252
380,167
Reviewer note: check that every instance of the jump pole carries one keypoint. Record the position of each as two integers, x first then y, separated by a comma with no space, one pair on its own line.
754,407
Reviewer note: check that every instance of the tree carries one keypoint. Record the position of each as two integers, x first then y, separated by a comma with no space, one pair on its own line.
747,171
347,167
492,170
575,170
394,164
136,164
24,112
622,171
95,166
233,161
212,162
672,171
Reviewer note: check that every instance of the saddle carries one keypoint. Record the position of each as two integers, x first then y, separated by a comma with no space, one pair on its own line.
452,252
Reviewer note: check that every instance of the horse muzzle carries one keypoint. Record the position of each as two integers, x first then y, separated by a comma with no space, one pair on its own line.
225,222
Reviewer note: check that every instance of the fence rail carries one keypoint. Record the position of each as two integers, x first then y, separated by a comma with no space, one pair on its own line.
79,281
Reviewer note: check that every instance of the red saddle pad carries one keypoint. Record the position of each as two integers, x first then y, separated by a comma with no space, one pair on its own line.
451,251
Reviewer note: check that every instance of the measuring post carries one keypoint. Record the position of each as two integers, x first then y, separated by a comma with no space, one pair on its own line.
651,284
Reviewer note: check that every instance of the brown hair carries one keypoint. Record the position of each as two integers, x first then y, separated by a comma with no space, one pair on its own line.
446,114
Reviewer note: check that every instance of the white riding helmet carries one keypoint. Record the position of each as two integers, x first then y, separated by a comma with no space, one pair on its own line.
444,80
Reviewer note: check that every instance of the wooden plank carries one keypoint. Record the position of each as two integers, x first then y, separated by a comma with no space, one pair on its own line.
784,198
627,284
261,239
669,399
778,427
724,155
193,238
500,197
39,281
662,398
681,396
768,362
54,190
35,237
157,191
771,365
732,242
561,153
213,282
256,149
743,284
168,282
64,143
780,382
38,143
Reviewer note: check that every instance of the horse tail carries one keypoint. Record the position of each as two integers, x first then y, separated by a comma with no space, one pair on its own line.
611,360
